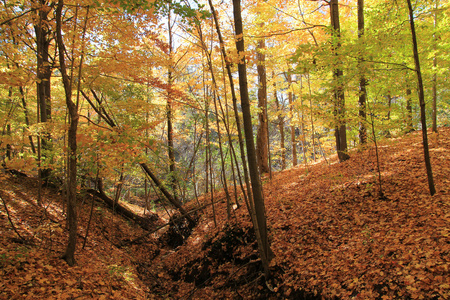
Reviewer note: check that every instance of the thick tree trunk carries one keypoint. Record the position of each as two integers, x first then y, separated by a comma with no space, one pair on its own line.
43,71
43,39
258,200
362,78
339,98
423,118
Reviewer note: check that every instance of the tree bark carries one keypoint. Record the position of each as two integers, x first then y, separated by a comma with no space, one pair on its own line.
362,78
423,118
43,71
434,110
258,200
169,113
235,108
72,142
262,133
313,139
291,110
339,97
280,125
409,119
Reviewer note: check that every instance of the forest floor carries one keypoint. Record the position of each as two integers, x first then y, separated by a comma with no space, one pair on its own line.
332,232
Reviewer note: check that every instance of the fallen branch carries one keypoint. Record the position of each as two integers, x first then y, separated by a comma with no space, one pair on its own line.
10,221
168,223
141,221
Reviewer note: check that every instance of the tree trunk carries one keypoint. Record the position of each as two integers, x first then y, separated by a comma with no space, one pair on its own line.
409,120
235,108
291,110
387,132
312,118
302,123
280,125
339,98
43,71
27,119
169,113
423,118
72,142
258,200
166,193
262,134
434,111
362,78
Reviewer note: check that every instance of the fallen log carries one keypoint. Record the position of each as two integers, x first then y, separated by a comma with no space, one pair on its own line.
144,222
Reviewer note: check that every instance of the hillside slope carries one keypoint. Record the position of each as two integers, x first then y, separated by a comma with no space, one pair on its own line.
332,234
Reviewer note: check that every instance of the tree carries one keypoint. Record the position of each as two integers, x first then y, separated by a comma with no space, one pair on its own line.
362,78
44,37
169,109
340,130
435,38
69,255
280,124
291,111
420,91
259,222
262,148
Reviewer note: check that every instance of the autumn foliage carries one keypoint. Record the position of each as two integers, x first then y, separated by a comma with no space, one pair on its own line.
332,236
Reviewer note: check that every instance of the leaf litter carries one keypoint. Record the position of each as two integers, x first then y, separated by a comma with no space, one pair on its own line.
332,235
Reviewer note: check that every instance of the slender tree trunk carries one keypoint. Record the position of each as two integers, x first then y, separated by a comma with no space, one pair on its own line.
280,125
27,119
312,118
206,128
222,158
169,114
423,118
166,193
362,78
386,131
434,111
409,120
302,120
291,110
258,200
215,88
72,141
235,108
226,118
262,133
339,98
